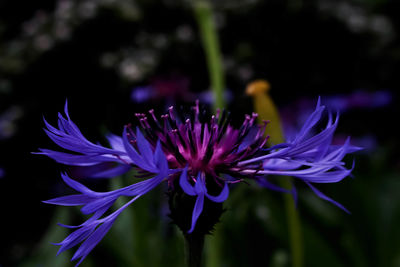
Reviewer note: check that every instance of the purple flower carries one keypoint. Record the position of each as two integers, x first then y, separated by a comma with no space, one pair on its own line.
172,88
343,103
198,156
2,172
166,87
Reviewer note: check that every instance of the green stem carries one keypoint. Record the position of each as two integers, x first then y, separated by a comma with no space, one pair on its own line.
194,245
209,37
213,254
295,237
208,32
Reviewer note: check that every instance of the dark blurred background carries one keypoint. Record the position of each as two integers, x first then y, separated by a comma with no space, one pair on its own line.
112,58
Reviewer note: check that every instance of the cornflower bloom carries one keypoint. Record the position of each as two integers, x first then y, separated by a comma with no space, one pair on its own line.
197,157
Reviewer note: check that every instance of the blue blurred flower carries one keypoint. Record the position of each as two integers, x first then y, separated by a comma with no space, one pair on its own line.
169,88
8,120
359,99
202,156
172,89
342,103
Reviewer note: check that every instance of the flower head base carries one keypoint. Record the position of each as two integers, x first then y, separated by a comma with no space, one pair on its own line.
197,158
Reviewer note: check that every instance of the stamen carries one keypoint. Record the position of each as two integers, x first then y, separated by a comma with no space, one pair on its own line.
196,110
216,180
245,125
261,129
166,124
121,159
212,121
202,132
253,118
142,123
202,116
208,154
264,141
223,116
218,111
152,137
172,123
174,147
252,160
235,182
130,132
155,121
209,149
193,119
146,122
224,125
188,125
191,142
181,138
171,112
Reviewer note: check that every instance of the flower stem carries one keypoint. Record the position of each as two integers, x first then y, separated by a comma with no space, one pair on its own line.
208,33
294,225
194,244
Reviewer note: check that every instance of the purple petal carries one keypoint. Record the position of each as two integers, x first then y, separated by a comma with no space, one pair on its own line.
200,185
144,148
80,145
185,185
249,139
310,122
198,208
280,164
77,160
324,197
71,200
324,147
78,186
100,212
229,178
326,177
159,158
102,170
92,241
278,146
99,233
69,137
97,204
267,184
133,154
222,196
139,188
89,232
145,186
115,142
51,128
312,142
294,194
74,238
